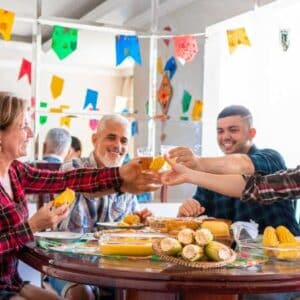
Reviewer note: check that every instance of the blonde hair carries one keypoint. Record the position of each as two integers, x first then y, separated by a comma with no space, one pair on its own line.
11,107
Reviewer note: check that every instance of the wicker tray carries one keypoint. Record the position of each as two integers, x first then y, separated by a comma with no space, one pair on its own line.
196,264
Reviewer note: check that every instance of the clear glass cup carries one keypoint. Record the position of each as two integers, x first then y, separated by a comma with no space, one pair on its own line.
146,156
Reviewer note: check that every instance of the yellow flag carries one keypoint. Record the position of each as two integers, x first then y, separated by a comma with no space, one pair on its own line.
237,37
55,110
64,106
159,65
65,121
197,110
57,85
6,23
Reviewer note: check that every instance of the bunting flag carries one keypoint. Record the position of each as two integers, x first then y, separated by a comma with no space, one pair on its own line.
185,104
56,86
91,99
127,46
237,37
25,69
167,41
64,41
159,66
64,106
65,121
56,110
164,94
171,66
43,120
7,19
93,123
285,39
134,128
185,48
197,110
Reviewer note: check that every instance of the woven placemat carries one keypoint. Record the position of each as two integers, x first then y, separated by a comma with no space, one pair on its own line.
196,264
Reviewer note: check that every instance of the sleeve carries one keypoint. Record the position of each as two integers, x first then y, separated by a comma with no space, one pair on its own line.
267,161
14,231
283,185
85,180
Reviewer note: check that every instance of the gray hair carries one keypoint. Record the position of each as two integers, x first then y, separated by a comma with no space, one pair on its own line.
58,140
113,118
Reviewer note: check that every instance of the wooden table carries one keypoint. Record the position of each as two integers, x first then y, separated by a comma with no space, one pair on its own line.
150,280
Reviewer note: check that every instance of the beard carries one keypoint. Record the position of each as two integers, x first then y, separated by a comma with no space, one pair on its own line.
110,162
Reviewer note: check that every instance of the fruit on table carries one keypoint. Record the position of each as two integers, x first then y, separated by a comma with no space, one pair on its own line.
217,251
192,252
186,236
66,197
170,246
284,235
157,163
203,236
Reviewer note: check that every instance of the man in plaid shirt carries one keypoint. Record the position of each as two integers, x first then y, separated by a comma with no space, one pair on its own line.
235,134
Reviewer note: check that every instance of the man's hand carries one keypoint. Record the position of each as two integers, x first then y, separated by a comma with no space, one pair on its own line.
190,208
184,156
47,217
144,214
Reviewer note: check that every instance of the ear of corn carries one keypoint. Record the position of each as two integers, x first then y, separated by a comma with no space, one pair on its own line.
284,235
66,197
269,237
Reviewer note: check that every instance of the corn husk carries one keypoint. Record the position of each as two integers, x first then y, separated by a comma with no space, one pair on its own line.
217,251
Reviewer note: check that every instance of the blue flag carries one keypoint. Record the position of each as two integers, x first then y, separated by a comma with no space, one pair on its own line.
127,46
91,98
171,66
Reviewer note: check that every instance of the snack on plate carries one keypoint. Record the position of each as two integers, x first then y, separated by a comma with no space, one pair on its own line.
66,197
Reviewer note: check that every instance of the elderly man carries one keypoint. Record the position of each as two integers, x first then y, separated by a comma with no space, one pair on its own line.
110,148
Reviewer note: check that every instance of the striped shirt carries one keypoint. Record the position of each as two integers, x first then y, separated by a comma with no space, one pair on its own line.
14,228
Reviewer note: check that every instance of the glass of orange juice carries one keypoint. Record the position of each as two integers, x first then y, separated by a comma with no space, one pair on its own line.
146,156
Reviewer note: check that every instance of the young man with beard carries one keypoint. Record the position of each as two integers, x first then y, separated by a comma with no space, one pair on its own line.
110,148
235,134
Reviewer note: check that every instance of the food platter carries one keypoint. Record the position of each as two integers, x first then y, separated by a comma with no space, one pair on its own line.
117,225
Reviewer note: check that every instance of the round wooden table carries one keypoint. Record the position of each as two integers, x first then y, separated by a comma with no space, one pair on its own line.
145,279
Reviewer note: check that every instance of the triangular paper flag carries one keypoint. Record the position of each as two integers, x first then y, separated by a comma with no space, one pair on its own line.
43,119
57,84
55,110
171,66
237,37
197,110
65,121
159,66
91,98
93,123
6,23
25,69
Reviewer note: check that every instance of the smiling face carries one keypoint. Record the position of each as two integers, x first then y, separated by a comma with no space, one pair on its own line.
111,144
15,138
234,134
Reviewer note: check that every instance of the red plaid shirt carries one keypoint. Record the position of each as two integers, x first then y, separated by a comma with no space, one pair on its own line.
14,228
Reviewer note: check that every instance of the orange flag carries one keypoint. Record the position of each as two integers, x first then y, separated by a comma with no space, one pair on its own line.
57,85
197,110
6,23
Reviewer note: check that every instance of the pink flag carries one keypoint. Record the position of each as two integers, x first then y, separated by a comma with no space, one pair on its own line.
25,70
185,48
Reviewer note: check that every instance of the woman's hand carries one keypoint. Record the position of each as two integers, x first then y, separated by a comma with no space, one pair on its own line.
144,214
190,208
47,217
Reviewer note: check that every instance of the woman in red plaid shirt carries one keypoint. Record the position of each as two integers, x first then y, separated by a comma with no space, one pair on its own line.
17,178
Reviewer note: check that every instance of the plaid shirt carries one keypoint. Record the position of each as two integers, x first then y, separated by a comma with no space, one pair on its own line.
14,228
86,212
282,185
265,161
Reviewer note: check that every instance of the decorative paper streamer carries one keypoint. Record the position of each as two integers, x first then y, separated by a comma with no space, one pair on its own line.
197,110
56,110
63,106
159,66
171,66
65,121
43,120
134,128
185,104
91,98
185,48
127,46
167,41
25,69
57,84
285,39
64,41
7,19
237,37
164,94
43,105
93,123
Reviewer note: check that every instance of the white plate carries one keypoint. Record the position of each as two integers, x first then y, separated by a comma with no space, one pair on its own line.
115,225
59,235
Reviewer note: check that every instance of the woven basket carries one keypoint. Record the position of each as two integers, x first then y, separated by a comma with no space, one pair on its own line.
196,264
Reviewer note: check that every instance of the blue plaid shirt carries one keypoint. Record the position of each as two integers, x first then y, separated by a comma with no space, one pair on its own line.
265,161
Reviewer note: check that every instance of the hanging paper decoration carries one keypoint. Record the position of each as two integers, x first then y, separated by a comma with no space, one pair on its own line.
64,106
197,110
164,94
237,37
134,128
55,110
167,41
43,105
159,65
185,48
6,23
171,66
65,121
285,39
56,86
25,69
32,102
127,46
185,104
147,107
43,120
91,98
93,123
64,41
